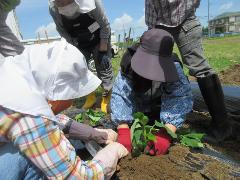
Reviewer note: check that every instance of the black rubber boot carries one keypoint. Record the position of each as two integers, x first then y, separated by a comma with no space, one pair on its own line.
212,92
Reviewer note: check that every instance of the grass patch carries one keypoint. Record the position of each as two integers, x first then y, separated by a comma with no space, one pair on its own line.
220,52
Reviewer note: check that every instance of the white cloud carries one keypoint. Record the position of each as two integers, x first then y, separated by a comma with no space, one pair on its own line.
50,29
121,23
141,22
125,22
226,6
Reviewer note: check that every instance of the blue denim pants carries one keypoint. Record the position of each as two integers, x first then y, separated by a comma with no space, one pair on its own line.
14,165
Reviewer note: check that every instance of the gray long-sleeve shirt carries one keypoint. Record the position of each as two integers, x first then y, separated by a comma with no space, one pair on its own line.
98,14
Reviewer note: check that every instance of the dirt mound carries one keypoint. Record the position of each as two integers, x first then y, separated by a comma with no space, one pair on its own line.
180,163
231,76
183,163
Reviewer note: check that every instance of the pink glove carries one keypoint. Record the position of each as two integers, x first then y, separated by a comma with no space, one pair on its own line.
109,157
124,138
84,132
161,145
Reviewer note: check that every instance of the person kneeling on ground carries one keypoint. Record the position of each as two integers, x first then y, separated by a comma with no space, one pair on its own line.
32,140
151,79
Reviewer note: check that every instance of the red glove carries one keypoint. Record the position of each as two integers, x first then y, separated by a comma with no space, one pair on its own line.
124,138
160,145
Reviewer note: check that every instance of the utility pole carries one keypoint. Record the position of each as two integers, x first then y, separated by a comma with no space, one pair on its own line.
209,18
129,33
46,34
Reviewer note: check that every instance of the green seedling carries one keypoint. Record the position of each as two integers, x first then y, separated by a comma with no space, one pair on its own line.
79,118
93,116
142,133
191,139
161,125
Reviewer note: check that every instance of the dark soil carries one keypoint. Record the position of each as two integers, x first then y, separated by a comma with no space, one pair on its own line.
231,76
180,163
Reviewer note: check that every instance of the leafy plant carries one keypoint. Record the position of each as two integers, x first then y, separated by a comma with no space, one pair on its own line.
79,118
191,139
93,116
142,133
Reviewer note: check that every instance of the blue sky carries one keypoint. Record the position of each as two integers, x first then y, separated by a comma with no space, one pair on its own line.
33,15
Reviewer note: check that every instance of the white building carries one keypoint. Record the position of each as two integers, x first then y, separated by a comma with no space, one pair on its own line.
225,23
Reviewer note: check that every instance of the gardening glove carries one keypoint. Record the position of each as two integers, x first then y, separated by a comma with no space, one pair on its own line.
109,157
103,59
101,137
161,144
85,132
124,138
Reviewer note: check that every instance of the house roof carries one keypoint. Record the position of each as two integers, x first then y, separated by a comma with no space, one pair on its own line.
227,14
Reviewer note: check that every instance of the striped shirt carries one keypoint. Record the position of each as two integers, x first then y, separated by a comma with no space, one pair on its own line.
170,13
42,142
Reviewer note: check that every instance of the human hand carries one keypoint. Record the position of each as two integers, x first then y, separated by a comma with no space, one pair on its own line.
161,145
109,157
104,136
124,138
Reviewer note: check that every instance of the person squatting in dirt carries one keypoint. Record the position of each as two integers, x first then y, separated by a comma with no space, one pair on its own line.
33,142
9,44
179,19
85,25
151,80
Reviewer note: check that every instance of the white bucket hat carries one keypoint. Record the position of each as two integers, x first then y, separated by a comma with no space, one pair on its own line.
56,71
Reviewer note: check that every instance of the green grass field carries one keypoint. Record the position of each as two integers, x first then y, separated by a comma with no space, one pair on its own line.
221,53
